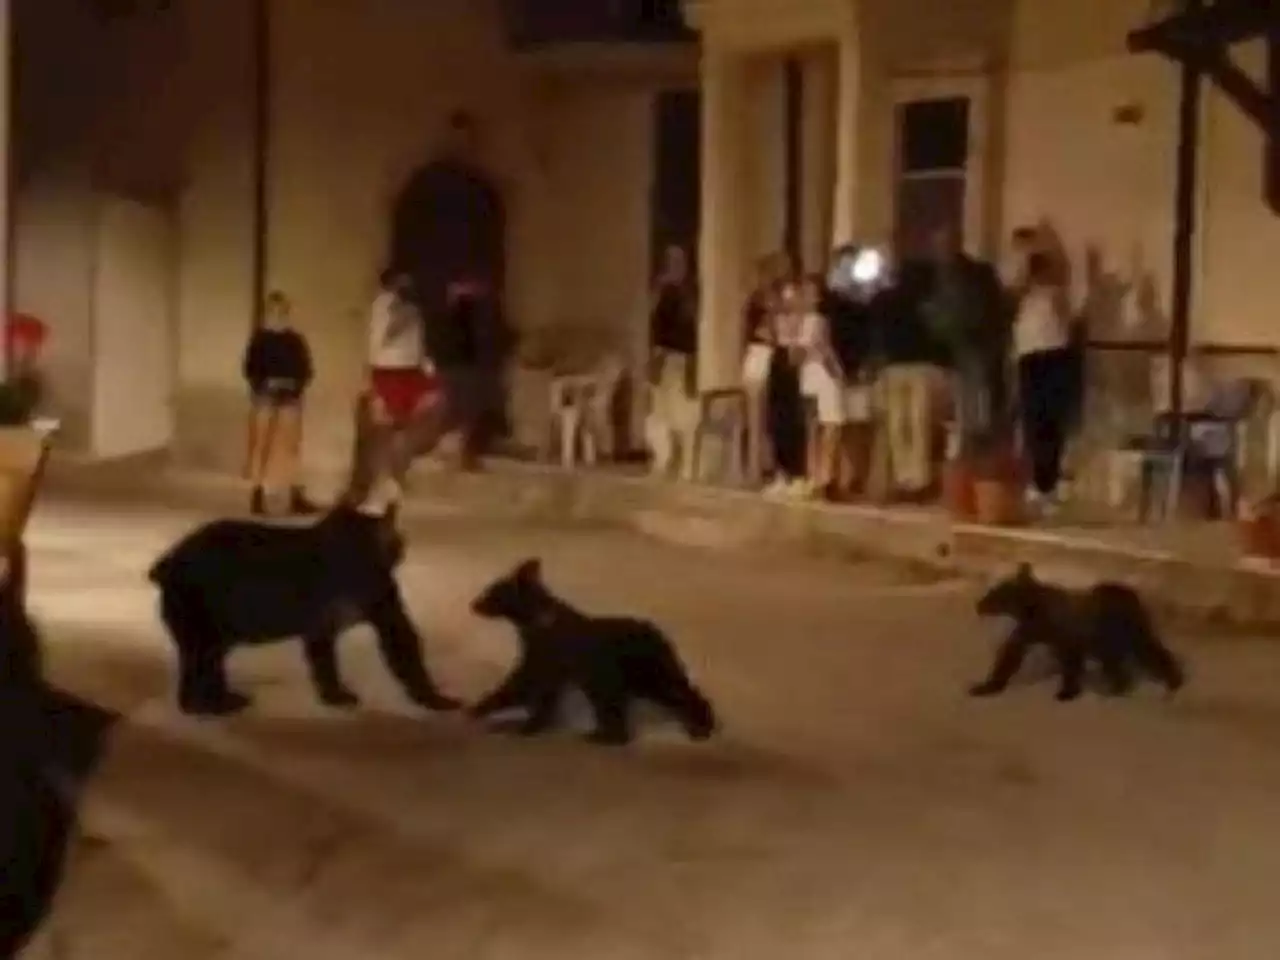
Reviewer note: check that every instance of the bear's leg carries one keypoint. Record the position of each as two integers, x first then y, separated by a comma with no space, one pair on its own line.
1157,660
1008,662
401,650
609,703
1071,664
669,687
202,678
514,691
544,706
320,647
1115,667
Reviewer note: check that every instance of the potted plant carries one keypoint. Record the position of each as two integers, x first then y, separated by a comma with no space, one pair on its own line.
1259,528
997,482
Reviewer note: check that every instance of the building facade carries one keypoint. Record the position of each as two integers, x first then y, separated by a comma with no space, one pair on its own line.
1046,116
157,199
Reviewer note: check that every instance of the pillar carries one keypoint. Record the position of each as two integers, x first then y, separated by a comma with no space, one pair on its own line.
765,159
845,224
6,132
721,253
818,156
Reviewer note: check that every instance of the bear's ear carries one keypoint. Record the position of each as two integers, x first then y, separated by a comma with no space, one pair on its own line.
530,571
1025,572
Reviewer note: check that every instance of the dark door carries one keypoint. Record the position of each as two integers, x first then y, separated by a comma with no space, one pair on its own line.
449,224
675,197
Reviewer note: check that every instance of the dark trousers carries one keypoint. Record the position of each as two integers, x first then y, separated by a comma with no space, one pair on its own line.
784,411
1045,394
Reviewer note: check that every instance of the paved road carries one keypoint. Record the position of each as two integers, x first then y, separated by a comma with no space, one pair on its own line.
857,806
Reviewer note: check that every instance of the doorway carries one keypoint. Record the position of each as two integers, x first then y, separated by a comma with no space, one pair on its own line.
675,197
449,222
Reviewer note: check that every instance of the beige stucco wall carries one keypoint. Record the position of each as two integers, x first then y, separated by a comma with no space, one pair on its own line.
360,98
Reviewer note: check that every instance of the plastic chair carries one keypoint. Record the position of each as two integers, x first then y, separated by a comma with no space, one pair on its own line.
1206,442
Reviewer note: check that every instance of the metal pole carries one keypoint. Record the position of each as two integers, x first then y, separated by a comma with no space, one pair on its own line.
261,152
1184,230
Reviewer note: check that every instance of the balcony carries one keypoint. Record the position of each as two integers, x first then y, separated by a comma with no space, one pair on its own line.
536,24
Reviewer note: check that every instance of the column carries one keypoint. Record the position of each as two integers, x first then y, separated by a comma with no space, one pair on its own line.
720,242
818,156
848,127
6,133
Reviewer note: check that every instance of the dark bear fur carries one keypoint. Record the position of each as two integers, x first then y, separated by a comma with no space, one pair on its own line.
1107,623
612,660
236,582
50,744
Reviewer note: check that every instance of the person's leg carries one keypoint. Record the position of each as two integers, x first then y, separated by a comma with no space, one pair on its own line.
1037,428
1058,385
896,426
262,432
920,393
288,457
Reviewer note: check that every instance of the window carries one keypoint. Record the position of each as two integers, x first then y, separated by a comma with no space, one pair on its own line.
933,156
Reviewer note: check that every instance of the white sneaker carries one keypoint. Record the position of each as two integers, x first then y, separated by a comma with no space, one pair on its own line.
800,489
776,489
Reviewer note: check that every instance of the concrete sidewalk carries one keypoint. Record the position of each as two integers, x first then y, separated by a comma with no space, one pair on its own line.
1189,569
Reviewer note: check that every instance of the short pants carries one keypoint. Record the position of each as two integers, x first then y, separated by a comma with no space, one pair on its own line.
403,390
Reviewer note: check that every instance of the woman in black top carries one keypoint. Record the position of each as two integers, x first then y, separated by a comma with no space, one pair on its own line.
673,324
277,368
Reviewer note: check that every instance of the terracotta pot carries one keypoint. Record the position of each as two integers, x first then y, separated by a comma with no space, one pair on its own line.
1260,536
958,491
997,502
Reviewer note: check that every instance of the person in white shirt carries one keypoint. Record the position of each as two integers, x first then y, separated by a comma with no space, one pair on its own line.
402,399
822,386
1041,344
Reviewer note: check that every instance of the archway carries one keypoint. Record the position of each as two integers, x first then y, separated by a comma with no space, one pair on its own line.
449,222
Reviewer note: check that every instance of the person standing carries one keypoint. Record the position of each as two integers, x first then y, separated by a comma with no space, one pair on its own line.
784,402
910,367
673,325
400,401
822,383
967,310
277,368
1042,347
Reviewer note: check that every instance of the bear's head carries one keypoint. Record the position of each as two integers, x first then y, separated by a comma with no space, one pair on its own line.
1016,596
519,596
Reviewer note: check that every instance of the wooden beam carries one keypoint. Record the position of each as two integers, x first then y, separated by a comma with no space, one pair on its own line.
1240,88
1222,24
1271,132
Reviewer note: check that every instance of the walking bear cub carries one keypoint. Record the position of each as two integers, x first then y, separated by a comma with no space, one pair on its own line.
1107,623
237,582
612,660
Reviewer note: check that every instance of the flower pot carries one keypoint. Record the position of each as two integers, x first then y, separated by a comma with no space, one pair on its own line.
958,490
1260,536
997,501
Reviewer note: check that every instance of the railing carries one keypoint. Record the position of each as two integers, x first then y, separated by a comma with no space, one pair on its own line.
538,23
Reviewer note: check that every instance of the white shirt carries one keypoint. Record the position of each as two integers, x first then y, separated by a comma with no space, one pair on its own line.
1040,324
395,334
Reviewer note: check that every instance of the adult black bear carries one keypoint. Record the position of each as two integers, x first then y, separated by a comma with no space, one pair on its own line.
612,660
1107,623
233,582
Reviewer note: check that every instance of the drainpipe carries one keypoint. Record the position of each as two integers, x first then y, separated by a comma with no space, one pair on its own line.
261,150
1191,88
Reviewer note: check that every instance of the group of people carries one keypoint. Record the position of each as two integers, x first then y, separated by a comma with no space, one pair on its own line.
875,355
433,366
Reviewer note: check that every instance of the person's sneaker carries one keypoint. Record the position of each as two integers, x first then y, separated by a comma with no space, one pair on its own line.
800,489
258,502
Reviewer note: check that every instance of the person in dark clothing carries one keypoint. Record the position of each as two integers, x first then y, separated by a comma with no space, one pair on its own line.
673,324
910,365
968,311
277,368
467,343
